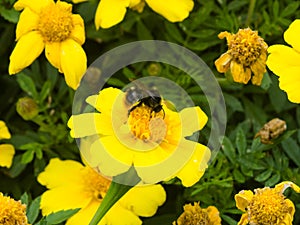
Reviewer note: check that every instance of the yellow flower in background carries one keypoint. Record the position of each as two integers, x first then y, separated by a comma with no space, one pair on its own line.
12,212
153,142
72,185
267,205
195,215
112,12
44,24
245,58
7,151
284,61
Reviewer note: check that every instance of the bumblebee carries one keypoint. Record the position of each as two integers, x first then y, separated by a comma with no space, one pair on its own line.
138,96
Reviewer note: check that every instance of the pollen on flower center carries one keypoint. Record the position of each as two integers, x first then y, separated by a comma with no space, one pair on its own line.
268,206
95,184
246,46
55,22
11,211
146,124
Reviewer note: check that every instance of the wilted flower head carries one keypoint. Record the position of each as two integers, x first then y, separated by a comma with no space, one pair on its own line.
267,206
245,58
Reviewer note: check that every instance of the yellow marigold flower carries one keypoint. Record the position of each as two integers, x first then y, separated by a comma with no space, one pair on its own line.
12,212
284,61
143,138
267,206
246,56
195,215
7,151
47,25
112,12
72,185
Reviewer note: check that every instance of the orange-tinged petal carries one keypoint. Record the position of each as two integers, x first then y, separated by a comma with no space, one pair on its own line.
281,57
35,5
52,52
7,152
172,10
68,170
4,132
78,33
135,199
27,49
223,62
291,207
242,199
73,62
193,119
258,68
291,35
28,22
239,74
194,169
110,12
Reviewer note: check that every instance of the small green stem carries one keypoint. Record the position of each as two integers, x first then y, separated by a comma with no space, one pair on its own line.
250,12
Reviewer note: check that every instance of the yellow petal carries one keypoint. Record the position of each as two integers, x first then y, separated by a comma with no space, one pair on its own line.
239,74
291,35
110,12
28,22
144,200
35,5
73,62
244,219
7,152
286,184
78,1
258,68
193,119
4,132
194,169
52,52
214,215
111,157
59,173
78,33
281,57
172,10
27,49
289,81
242,199
223,62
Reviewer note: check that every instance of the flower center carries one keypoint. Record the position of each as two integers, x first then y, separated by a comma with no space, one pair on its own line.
267,207
12,212
95,184
193,215
147,124
55,22
246,46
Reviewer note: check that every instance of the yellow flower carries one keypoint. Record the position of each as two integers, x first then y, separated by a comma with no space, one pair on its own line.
71,185
7,151
12,212
153,142
284,61
267,206
194,215
246,56
51,26
112,12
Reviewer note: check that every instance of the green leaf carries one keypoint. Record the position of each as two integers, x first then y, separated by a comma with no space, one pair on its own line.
240,141
24,198
17,167
228,220
27,84
228,149
33,210
45,91
273,180
238,176
264,175
291,148
10,15
278,97
275,9
129,73
251,163
290,9
58,217
233,102
266,81
27,157
115,82
173,31
143,32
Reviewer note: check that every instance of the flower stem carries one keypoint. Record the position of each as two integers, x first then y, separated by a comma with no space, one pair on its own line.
116,190
250,12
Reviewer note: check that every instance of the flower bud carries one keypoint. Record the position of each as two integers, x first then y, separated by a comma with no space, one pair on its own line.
27,108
